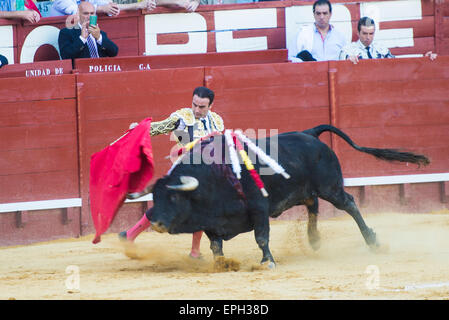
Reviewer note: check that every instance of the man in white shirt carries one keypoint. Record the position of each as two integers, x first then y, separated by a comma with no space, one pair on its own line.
365,48
320,41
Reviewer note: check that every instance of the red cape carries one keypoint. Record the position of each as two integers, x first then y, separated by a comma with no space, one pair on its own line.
125,166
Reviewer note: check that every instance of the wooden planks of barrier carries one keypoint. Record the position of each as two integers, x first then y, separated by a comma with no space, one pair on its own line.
142,63
393,104
283,97
39,157
56,123
37,69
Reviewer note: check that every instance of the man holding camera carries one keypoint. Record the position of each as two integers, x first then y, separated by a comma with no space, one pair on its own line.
85,40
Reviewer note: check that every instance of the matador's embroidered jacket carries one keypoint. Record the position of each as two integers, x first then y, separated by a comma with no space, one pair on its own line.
185,127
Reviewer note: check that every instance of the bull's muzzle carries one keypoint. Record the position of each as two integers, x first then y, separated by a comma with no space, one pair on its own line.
188,184
159,227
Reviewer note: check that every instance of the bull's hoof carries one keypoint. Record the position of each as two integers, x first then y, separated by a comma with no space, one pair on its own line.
379,248
370,237
270,265
264,266
315,241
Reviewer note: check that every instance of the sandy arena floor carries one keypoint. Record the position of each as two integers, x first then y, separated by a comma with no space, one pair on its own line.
413,264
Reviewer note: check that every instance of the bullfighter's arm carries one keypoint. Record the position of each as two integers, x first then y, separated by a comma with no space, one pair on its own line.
164,126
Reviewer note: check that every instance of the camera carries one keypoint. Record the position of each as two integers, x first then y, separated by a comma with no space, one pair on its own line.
93,20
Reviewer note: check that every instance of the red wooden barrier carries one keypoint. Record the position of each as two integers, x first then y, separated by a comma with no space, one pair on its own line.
284,97
38,156
37,69
142,63
393,104
54,124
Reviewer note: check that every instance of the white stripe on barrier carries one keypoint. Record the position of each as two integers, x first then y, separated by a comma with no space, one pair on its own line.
55,204
348,182
40,205
410,178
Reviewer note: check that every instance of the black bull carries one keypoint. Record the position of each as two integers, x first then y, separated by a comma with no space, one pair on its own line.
224,207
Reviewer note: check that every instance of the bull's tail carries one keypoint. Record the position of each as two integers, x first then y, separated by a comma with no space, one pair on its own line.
384,154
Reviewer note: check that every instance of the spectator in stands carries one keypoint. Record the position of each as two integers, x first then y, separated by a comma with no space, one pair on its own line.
189,5
69,7
3,61
320,41
30,14
206,2
364,48
85,40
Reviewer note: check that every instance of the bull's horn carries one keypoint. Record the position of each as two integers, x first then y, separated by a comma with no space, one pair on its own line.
188,184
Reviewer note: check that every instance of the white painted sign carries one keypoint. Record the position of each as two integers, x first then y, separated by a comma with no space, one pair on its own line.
36,38
6,43
192,23
43,72
196,27
228,21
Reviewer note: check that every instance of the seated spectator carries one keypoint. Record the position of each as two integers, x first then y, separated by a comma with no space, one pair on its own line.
30,14
206,2
189,5
364,48
3,61
320,41
85,40
70,7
